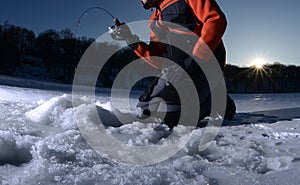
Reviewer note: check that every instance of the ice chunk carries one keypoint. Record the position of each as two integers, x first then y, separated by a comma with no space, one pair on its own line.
10,152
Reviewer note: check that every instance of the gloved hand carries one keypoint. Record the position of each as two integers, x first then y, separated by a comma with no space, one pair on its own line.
120,32
123,32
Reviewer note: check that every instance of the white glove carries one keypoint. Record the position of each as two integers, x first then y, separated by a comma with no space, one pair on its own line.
123,32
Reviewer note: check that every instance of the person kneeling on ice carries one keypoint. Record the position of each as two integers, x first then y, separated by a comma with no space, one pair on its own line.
202,17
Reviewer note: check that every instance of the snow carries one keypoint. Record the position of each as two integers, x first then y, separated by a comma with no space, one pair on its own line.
40,143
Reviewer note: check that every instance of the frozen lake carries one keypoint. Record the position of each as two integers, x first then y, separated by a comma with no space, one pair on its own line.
41,144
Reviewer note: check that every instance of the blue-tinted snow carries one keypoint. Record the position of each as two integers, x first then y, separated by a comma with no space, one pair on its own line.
40,144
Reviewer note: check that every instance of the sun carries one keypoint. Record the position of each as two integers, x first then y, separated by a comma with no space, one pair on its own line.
259,62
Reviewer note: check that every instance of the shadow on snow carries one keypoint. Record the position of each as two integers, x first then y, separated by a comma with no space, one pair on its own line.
269,116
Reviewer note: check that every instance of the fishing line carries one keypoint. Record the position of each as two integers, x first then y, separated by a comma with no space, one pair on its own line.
85,14
88,10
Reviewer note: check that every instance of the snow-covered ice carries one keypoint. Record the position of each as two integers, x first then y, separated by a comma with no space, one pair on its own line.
41,144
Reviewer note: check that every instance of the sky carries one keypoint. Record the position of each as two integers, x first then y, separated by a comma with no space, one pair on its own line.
267,29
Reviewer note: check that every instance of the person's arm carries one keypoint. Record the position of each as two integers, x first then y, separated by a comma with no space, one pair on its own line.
143,50
154,48
214,26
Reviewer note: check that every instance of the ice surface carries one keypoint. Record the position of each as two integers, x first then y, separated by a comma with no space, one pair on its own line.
41,144
260,102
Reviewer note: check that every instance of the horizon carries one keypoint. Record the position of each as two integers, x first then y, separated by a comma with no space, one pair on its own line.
260,65
266,63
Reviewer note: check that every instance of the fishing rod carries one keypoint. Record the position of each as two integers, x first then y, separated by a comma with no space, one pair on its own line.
116,20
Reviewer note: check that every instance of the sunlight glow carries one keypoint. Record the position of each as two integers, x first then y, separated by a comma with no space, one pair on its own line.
259,62
258,71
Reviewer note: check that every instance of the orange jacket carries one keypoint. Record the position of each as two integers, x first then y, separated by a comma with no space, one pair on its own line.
210,26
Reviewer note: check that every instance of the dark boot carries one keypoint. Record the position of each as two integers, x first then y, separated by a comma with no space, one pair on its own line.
230,109
229,113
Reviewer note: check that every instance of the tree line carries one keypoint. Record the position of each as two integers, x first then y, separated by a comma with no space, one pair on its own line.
54,55
271,78
50,49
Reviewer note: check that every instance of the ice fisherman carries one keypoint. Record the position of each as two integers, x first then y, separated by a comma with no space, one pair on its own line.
204,18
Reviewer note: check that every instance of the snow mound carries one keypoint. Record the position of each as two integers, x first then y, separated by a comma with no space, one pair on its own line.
54,110
57,111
